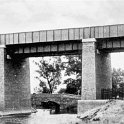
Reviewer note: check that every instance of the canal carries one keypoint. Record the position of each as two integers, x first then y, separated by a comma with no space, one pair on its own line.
41,117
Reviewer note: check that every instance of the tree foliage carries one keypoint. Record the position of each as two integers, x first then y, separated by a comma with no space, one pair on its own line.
73,86
51,72
73,67
117,77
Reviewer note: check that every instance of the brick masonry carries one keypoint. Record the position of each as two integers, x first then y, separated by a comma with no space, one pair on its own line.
96,71
64,100
14,84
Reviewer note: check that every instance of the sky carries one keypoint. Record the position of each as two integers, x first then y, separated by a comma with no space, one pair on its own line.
33,15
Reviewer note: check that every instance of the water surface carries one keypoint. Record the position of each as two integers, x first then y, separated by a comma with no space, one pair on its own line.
35,118
41,117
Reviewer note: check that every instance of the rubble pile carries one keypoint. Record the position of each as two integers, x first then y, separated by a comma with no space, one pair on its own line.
112,110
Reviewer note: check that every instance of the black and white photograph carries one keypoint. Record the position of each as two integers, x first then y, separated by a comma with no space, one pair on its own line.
61,61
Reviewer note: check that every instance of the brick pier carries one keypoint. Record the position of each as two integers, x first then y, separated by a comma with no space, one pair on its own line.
14,84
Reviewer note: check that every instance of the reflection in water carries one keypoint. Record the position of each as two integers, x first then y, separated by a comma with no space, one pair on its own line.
35,118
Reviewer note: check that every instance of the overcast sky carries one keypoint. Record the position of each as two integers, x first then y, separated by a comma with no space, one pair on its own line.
33,15
27,15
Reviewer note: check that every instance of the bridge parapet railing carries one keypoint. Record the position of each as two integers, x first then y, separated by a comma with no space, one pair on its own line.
106,31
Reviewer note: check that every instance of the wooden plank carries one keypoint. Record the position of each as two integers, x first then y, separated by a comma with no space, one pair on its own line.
76,34
29,37
7,39
106,31
120,30
71,34
50,35
68,46
81,33
96,32
11,39
36,36
53,48
86,32
57,35
16,38
22,38
113,31
65,34
92,32
43,37
2,39
101,31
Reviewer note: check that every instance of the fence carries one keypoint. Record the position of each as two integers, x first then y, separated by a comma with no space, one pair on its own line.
112,93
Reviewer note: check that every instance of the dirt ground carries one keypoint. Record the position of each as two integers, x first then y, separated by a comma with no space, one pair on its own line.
110,113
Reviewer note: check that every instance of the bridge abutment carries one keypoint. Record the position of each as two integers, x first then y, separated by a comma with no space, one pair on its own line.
14,84
96,74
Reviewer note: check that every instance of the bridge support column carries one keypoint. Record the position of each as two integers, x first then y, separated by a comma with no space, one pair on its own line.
96,70
96,74
14,85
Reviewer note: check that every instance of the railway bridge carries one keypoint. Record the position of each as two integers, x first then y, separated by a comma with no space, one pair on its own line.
94,44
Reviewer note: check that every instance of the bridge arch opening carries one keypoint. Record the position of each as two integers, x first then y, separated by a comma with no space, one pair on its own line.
53,106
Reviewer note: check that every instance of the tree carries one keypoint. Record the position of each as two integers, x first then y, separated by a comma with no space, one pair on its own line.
73,86
117,77
73,66
51,72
